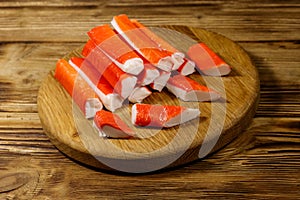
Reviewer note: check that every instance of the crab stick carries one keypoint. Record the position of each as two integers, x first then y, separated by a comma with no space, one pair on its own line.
111,125
187,68
88,48
116,49
161,116
160,82
139,94
207,61
122,82
103,89
189,90
148,75
178,57
79,90
141,43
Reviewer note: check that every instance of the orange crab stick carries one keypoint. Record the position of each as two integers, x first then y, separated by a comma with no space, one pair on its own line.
139,94
122,82
88,48
109,98
187,67
178,57
161,116
189,90
208,62
80,91
116,49
111,125
160,82
148,75
141,43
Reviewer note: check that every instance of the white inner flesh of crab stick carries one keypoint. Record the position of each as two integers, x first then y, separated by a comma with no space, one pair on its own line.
178,60
165,64
149,74
108,131
109,124
92,106
217,71
111,132
139,94
187,68
111,101
185,116
160,82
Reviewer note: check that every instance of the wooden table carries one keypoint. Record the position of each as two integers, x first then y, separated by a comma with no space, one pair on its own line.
263,162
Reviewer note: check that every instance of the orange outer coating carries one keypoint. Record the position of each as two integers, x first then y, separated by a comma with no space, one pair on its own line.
186,83
96,78
106,118
106,39
80,91
111,72
156,115
88,48
146,46
204,57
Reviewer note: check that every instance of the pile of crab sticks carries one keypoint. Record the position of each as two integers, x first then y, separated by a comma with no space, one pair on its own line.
128,61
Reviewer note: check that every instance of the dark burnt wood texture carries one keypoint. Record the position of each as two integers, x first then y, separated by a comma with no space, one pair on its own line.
263,162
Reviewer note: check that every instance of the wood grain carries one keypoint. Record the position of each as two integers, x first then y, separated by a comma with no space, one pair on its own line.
262,163
243,22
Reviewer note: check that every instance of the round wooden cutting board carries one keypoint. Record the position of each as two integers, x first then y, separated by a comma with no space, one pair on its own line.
153,149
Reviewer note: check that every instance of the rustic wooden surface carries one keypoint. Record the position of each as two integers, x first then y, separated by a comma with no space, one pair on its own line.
263,162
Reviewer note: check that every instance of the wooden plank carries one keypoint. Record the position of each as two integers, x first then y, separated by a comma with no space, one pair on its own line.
263,162
50,3
157,3
260,163
236,21
22,69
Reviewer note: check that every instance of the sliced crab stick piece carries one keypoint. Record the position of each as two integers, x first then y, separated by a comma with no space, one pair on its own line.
187,68
160,82
189,90
139,94
103,89
122,82
88,48
161,116
148,75
177,56
79,90
141,43
111,125
207,61
116,49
